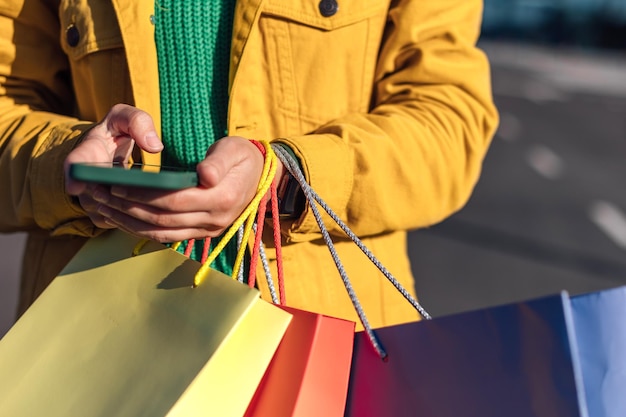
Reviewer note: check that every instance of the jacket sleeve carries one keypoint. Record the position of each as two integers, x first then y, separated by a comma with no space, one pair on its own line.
414,159
35,90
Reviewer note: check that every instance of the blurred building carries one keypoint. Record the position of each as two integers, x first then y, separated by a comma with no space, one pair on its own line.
586,23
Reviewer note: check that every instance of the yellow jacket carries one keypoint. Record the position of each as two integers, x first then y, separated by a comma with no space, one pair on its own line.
387,105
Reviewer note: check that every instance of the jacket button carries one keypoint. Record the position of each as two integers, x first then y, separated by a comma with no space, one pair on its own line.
328,7
72,36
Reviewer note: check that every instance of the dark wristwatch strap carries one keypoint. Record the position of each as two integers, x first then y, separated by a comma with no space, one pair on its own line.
291,199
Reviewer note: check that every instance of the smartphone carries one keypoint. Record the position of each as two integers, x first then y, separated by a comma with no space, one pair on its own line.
167,178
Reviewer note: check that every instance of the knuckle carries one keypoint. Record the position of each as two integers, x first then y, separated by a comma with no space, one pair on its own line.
156,236
161,239
215,232
178,201
221,223
162,220
229,199
139,117
116,108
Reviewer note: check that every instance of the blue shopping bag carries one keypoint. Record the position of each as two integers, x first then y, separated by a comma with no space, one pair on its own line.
551,356
600,321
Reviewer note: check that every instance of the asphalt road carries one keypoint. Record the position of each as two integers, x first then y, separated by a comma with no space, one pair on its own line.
548,213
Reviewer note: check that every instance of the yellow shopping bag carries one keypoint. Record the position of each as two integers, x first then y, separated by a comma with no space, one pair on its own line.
116,335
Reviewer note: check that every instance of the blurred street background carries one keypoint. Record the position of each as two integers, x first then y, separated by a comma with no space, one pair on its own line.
549,212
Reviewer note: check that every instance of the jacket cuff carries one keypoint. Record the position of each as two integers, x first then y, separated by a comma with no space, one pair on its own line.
327,165
53,208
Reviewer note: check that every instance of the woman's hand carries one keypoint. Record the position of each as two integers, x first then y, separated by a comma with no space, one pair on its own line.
111,140
228,178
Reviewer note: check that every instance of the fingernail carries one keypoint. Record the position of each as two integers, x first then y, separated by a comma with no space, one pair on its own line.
153,141
109,222
104,211
100,196
119,191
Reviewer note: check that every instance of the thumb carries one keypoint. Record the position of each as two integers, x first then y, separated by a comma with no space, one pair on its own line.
222,157
212,170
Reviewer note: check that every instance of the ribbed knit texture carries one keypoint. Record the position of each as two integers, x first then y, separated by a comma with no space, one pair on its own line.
193,46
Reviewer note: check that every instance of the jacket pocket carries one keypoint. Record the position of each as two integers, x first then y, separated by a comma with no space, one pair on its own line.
91,38
321,67
87,27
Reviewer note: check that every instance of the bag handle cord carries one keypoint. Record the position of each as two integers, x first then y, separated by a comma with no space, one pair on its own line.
312,197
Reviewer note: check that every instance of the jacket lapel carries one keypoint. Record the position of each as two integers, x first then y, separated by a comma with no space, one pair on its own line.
247,14
134,18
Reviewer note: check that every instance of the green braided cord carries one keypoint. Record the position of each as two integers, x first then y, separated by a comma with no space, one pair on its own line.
193,47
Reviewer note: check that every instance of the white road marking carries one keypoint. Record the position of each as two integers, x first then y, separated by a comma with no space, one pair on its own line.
611,220
545,162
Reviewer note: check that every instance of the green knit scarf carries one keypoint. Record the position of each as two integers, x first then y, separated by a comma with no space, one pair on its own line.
193,47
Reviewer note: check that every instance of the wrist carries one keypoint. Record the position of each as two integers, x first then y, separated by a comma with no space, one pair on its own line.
291,199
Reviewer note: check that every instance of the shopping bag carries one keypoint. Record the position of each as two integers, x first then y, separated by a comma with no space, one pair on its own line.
115,335
552,356
514,360
308,376
600,323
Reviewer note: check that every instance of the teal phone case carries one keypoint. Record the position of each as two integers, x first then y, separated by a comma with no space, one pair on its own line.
166,179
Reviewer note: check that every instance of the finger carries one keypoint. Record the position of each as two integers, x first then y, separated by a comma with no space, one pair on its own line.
74,187
186,200
161,234
124,120
91,208
121,210
215,200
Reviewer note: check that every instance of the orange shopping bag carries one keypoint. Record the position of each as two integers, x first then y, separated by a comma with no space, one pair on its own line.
308,376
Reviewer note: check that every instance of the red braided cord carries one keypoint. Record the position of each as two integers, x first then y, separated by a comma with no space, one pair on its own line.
189,247
278,244
259,146
205,250
259,225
